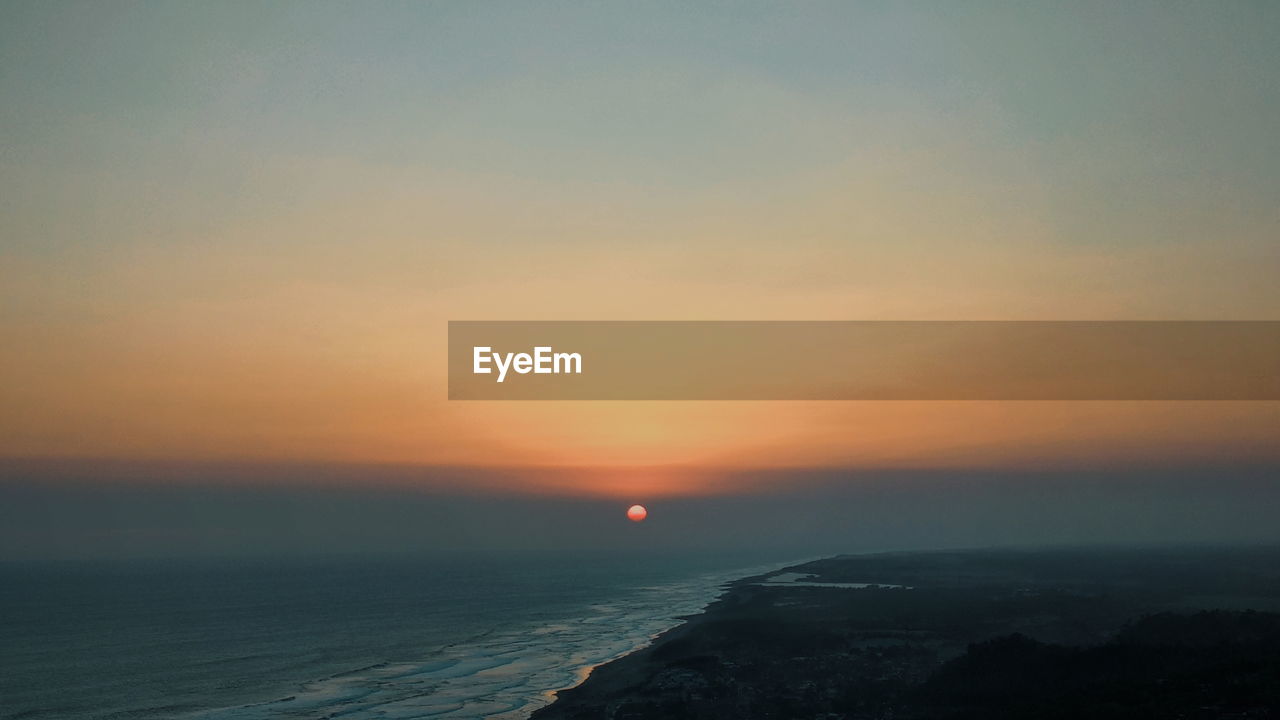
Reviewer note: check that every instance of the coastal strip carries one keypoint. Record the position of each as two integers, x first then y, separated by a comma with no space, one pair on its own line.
955,634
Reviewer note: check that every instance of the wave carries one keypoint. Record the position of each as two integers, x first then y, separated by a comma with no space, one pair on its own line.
499,674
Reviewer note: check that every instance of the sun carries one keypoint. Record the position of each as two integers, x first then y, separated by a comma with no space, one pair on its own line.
637,513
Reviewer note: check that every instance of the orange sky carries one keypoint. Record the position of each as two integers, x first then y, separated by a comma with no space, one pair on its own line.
283,339
228,240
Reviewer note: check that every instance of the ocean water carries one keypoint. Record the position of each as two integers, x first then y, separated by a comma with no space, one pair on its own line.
476,637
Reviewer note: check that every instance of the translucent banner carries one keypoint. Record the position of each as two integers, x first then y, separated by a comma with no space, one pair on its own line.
864,360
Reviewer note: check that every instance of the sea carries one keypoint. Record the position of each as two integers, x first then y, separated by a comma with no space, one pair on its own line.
357,637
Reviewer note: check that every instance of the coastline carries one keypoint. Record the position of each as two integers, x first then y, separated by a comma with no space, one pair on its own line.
718,586
895,635
620,673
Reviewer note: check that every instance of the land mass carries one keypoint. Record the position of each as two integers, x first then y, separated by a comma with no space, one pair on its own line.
1185,633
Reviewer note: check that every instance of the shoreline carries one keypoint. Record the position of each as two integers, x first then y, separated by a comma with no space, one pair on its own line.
894,635
625,669
724,584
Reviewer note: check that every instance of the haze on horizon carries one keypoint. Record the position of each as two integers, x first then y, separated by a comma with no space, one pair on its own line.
233,234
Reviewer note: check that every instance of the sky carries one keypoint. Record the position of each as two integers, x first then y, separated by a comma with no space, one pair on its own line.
234,233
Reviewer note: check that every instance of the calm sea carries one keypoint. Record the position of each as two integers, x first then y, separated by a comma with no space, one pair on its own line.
362,638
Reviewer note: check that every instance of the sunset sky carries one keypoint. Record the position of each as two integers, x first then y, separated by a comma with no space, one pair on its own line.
234,233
